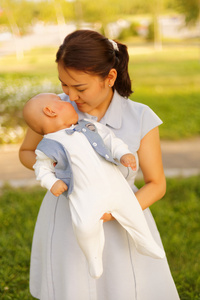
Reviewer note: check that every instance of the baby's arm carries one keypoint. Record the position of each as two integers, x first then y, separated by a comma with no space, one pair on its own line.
44,170
129,160
118,148
58,188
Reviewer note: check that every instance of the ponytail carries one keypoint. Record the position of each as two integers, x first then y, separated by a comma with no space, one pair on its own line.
123,82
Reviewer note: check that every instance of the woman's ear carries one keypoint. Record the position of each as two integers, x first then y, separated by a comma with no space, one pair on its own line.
49,112
112,75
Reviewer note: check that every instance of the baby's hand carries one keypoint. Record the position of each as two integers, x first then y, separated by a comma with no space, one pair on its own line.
58,188
128,160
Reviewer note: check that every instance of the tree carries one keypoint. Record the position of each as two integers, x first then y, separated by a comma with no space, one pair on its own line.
23,14
191,10
10,20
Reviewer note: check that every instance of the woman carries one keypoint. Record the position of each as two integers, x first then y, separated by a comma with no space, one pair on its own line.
93,72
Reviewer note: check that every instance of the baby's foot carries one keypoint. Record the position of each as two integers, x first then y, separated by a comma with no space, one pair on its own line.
95,267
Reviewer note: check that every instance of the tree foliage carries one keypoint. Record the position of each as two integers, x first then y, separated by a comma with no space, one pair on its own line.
191,10
25,13
22,14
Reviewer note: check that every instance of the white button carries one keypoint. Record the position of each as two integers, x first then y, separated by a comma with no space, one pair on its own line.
94,144
107,156
84,130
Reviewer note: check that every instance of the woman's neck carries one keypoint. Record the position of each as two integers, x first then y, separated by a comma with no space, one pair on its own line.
100,111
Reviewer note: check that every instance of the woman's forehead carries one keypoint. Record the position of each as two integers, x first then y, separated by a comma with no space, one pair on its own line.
74,77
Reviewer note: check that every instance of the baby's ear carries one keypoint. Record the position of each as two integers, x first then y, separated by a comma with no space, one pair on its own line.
49,112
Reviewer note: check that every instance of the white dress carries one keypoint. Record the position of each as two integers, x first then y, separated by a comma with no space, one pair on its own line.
58,267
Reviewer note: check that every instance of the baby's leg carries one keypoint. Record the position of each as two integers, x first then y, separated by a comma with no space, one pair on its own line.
90,236
130,215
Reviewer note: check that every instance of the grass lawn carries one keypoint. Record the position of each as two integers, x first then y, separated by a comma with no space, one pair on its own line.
177,217
167,81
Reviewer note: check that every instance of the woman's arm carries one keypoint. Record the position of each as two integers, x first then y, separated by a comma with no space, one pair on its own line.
27,150
150,159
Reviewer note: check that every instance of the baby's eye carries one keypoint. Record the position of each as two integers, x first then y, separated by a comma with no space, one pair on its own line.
80,90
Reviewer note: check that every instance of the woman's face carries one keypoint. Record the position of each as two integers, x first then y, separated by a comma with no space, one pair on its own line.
91,93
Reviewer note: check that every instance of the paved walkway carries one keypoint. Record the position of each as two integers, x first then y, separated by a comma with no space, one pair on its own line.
180,158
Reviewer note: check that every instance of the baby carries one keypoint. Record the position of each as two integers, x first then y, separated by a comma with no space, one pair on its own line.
77,158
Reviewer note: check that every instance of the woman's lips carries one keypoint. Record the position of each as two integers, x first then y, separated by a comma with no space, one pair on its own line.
79,104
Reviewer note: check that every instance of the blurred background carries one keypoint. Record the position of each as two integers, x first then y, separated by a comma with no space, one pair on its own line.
163,38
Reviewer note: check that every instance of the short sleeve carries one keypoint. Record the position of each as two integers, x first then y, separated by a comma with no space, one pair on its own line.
149,121
130,120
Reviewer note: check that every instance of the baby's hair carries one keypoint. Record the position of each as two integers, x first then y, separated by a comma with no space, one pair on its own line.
89,51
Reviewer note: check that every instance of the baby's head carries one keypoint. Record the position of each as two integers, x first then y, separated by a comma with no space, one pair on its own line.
47,113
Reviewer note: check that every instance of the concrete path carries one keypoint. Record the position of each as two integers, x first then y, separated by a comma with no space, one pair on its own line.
180,158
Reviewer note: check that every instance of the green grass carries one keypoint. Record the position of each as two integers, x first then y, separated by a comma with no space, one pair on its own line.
19,208
36,62
168,81
177,217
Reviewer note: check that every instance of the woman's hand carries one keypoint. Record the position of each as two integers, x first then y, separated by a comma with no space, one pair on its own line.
107,217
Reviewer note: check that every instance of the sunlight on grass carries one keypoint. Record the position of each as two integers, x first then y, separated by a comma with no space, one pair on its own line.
168,81
38,61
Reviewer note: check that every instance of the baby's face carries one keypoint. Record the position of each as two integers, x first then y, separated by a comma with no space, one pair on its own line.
65,110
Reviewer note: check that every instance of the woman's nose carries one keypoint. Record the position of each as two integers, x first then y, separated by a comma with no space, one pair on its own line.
73,96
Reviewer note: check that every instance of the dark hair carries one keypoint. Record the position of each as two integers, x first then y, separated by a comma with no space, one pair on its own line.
91,52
